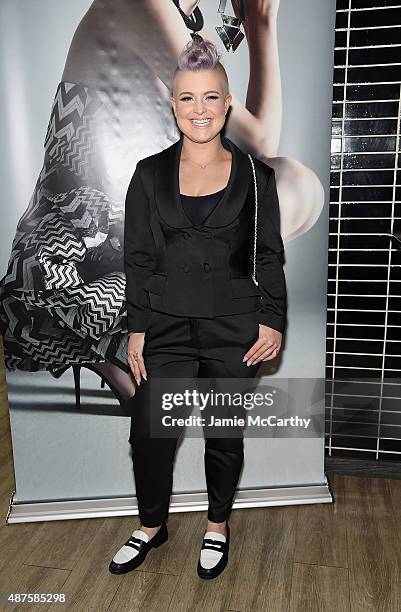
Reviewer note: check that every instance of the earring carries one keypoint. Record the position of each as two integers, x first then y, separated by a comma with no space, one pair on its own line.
230,32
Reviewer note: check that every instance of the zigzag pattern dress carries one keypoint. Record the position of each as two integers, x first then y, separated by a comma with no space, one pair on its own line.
62,299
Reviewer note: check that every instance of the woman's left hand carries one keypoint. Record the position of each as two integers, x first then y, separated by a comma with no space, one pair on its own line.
266,347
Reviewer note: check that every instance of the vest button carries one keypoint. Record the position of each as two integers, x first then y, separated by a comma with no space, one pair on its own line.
186,268
206,267
208,235
185,235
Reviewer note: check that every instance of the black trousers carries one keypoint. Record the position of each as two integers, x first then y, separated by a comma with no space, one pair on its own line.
188,347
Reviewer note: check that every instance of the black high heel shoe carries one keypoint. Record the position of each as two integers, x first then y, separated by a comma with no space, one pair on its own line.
76,368
60,372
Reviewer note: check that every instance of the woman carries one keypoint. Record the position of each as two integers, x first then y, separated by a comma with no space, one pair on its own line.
193,309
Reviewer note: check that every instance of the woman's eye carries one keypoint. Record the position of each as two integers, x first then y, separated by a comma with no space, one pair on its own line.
207,97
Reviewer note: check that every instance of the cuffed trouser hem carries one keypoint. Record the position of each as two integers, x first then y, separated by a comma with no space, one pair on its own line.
217,518
145,522
155,518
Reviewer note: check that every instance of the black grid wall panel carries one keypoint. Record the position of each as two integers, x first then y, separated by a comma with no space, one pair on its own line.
363,367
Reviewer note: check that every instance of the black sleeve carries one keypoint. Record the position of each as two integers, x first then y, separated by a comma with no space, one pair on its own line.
270,259
139,253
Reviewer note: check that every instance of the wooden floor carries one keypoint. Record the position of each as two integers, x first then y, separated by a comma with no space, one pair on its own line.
336,557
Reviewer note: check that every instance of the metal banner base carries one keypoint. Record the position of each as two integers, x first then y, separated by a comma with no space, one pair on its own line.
181,502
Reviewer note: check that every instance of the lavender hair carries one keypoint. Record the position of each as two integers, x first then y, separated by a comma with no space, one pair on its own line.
200,54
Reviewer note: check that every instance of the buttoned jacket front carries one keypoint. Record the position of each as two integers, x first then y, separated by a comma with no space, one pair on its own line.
175,267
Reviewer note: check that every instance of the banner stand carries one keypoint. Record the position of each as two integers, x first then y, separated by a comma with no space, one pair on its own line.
182,502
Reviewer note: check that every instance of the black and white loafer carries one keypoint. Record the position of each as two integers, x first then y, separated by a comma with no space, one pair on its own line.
134,551
214,554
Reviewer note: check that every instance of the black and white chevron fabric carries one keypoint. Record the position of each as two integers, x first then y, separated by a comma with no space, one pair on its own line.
62,299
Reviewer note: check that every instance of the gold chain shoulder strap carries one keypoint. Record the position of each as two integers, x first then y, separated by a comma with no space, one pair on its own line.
256,220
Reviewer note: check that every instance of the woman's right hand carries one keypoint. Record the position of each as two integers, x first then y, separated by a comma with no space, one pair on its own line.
136,342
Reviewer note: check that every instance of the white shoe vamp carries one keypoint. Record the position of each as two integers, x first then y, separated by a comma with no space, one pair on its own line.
209,558
126,553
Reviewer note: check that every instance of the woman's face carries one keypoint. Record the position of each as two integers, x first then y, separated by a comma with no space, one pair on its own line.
200,103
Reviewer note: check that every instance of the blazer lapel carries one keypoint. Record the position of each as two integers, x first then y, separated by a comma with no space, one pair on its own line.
167,189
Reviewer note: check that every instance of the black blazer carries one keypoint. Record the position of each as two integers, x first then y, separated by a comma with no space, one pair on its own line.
202,271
